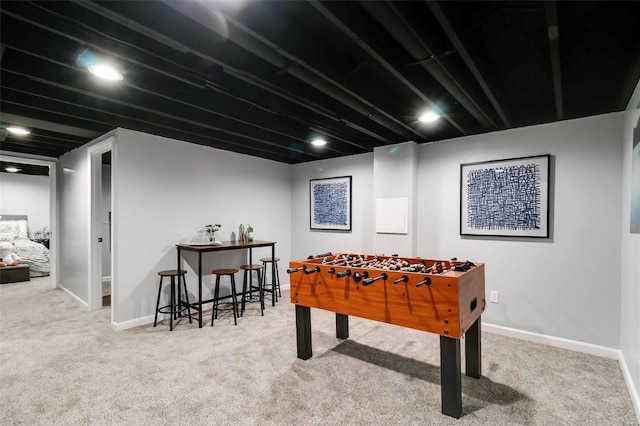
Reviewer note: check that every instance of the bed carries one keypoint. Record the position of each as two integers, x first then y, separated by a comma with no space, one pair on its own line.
15,228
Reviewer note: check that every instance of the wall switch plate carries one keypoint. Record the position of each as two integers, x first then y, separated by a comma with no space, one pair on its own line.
494,297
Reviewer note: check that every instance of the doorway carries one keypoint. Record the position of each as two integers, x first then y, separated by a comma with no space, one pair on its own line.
53,209
106,229
101,230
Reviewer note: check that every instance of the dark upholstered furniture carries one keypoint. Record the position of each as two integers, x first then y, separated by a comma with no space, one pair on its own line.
14,274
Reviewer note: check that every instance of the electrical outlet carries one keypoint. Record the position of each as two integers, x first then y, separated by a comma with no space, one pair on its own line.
494,297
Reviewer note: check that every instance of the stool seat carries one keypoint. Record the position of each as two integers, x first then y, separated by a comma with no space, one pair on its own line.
252,267
269,259
176,306
172,273
216,293
229,271
247,270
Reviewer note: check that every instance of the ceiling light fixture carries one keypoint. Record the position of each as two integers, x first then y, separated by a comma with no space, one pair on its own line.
318,142
21,131
12,169
429,117
105,71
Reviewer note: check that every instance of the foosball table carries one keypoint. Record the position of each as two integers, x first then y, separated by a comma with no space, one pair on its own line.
439,296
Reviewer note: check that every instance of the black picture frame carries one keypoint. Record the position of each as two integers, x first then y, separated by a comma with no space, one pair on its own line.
330,204
505,198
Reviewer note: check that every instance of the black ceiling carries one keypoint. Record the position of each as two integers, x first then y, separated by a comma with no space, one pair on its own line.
267,77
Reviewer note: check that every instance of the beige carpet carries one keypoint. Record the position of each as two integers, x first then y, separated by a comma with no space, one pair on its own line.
61,365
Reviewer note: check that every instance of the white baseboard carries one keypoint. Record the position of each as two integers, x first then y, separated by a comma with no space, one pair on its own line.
82,302
106,279
633,390
117,326
557,342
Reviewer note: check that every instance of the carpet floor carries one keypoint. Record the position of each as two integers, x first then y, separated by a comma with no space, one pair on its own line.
62,365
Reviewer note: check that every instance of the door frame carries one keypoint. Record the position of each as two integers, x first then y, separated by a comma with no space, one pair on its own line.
94,294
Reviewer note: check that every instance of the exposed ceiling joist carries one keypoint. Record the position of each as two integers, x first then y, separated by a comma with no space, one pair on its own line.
554,51
265,78
460,46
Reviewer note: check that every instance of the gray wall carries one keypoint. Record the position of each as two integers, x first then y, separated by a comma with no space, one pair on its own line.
163,190
568,286
26,194
73,220
630,291
304,241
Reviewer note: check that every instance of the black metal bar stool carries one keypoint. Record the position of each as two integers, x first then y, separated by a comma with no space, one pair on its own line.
248,269
274,287
216,296
175,306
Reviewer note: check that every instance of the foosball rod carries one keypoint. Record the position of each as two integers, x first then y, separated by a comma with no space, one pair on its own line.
370,281
426,281
402,279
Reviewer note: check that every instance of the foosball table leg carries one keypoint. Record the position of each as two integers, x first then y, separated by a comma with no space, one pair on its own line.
303,331
342,326
472,351
450,377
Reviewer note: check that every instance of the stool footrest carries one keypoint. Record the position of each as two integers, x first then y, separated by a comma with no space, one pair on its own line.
167,309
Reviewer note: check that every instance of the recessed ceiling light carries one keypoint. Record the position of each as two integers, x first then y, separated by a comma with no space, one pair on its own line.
318,142
429,117
12,169
18,130
105,71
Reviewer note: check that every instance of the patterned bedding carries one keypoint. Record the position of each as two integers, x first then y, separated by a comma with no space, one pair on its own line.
36,255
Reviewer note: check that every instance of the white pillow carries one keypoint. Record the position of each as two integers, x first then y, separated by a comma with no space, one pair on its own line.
8,227
7,236
17,227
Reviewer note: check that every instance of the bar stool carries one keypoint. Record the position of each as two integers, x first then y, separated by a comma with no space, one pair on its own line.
216,296
248,269
275,286
175,307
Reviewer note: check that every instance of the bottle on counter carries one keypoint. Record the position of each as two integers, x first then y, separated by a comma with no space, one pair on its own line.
241,233
249,233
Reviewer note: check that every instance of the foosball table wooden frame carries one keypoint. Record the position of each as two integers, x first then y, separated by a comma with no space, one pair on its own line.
445,297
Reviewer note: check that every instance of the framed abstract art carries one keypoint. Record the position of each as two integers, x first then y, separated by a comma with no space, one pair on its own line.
330,203
507,198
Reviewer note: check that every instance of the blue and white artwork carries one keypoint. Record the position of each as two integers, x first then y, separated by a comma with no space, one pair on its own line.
505,198
331,203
